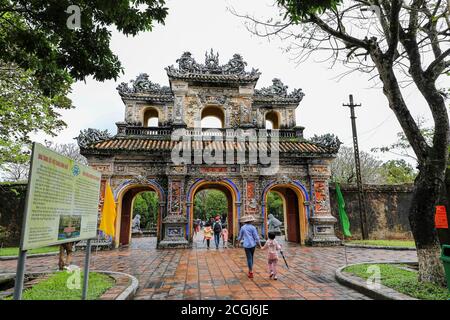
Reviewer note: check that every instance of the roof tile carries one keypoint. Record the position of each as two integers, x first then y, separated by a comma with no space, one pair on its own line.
166,145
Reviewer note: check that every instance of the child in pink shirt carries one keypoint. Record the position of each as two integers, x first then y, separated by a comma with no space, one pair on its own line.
272,255
224,234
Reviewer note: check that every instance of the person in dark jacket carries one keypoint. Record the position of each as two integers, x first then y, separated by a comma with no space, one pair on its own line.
217,228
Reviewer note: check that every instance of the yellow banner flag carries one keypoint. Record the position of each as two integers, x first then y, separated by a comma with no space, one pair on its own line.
108,219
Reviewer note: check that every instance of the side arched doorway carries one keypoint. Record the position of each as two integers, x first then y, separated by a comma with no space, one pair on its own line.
233,197
125,200
150,117
295,212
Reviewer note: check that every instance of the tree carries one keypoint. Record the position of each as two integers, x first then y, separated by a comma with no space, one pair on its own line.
210,203
275,205
146,205
43,52
70,150
398,172
200,205
17,170
43,36
401,43
402,147
343,167
140,206
25,110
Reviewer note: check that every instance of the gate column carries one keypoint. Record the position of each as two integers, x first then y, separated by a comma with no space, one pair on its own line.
322,223
175,224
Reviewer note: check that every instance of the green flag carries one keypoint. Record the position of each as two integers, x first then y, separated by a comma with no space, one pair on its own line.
342,214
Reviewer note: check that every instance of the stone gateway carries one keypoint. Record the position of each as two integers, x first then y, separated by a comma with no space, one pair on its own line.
160,146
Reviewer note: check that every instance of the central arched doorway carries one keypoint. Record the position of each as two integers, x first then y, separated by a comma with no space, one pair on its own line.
232,196
212,117
294,210
126,197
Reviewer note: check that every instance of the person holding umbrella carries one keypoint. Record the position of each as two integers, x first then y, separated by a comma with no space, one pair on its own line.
272,247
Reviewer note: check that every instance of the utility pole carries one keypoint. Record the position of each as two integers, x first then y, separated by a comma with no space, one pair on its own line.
361,200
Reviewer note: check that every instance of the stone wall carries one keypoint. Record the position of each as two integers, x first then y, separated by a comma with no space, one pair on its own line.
12,201
387,210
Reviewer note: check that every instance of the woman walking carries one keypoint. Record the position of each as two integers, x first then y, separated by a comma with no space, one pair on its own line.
249,234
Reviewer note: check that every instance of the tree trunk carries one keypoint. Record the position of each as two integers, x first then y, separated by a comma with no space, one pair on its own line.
430,181
421,217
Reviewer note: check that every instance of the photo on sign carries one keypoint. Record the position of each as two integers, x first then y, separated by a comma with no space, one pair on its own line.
69,227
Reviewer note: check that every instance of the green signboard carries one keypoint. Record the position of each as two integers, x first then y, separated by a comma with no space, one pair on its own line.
62,200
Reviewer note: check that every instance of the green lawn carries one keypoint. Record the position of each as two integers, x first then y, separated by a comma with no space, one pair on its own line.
386,243
403,281
14,251
57,287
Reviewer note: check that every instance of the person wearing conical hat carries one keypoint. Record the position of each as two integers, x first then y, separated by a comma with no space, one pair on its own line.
249,234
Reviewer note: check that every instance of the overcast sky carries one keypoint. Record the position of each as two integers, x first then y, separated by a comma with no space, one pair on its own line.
198,26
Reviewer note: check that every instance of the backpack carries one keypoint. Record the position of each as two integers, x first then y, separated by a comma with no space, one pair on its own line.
217,227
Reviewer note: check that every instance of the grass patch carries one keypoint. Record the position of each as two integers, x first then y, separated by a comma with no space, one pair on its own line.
404,281
56,287
385,243
14,251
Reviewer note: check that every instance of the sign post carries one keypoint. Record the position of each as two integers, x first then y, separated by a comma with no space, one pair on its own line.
20,274
61,205
86,270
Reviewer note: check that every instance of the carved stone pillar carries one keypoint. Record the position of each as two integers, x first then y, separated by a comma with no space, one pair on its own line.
163,214
121,128
322,223
179,90
175,223
247,120
251,203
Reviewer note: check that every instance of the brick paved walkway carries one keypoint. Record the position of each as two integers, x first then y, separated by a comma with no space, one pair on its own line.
220,274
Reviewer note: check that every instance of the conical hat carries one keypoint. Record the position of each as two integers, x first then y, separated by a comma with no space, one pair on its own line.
248,218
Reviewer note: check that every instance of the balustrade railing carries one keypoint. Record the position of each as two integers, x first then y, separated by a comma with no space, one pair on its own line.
166,132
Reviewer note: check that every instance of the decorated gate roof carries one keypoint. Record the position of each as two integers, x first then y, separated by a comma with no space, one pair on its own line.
196,88
303,148
188,69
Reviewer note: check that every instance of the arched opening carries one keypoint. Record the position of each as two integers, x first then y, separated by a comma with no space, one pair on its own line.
210,202
130,202
145,210
276,206
272,120
222,201
295,218
212,117
151,117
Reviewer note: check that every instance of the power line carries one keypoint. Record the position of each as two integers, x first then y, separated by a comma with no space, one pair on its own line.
370,130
